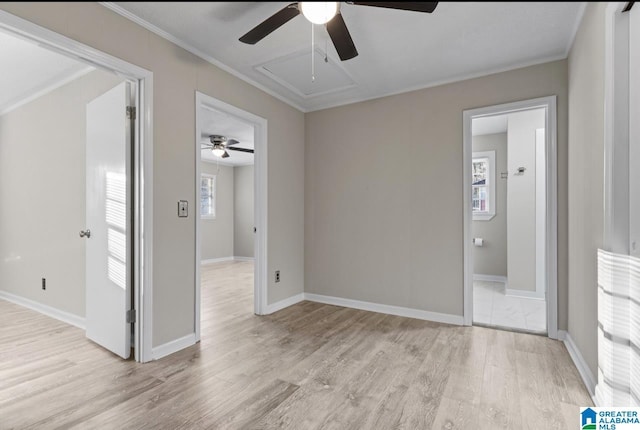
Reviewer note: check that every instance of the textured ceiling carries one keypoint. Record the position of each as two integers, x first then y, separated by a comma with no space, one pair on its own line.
399,50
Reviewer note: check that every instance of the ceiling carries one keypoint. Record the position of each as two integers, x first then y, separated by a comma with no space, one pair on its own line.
216,122
399,50
34,71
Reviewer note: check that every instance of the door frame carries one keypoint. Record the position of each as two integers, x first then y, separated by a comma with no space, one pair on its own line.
141,168
551,156
259,124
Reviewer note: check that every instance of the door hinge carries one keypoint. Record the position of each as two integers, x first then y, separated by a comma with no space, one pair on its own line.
131,112
131,316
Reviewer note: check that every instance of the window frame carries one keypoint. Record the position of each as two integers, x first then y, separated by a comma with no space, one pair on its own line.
490,184
214,183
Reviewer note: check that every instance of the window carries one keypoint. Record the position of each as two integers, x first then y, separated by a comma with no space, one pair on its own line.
207,196
483,185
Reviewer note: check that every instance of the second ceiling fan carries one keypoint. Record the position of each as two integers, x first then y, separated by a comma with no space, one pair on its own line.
327,13
219,145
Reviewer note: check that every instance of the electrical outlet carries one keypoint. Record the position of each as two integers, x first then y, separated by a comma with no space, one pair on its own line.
44,283
277,276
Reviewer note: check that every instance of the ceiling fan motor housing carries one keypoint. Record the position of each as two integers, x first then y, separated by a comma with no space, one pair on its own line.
216,138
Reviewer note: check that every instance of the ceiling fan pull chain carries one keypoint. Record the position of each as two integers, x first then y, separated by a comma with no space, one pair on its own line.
313,62
326,49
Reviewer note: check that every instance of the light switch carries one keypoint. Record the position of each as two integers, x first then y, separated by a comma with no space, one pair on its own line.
183,208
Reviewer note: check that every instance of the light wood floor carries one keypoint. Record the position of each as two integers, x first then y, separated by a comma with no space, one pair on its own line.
308,366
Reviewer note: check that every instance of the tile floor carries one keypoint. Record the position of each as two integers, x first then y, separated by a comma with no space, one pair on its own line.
493,308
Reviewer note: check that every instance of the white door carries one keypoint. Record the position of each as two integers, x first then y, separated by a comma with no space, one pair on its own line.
108,265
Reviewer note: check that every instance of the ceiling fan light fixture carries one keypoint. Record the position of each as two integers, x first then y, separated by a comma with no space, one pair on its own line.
319,12
218,150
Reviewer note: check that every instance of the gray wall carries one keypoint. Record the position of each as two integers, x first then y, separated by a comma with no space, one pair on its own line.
177,74
383,190
491,258
521,198
216,235
243,243
586,173
42,190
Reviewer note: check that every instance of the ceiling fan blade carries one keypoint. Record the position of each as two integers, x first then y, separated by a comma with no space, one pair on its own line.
270,24
232,142
225,155
341,38
241,149
417,6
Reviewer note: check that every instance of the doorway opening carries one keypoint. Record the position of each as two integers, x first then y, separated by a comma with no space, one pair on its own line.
231,217
510,216
71,107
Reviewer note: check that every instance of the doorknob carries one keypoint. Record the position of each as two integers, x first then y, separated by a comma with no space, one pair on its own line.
85,233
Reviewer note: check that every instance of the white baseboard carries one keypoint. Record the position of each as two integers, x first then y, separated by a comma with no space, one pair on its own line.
275,307
216,260
173,346
491,278
236,258
524,294
223,259
386,309
49,311
578,360
63,316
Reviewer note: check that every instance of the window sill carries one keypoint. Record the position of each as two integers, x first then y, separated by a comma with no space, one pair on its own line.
483,217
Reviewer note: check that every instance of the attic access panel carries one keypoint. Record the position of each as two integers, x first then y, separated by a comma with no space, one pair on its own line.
294,72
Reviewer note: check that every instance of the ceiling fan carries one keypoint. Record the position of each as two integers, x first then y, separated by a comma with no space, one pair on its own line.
219,145
327,13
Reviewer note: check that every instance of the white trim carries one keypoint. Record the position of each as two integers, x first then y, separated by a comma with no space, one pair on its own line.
386,309
260,200
275,307
540,213
237,258
195,51
551,251
578,360
49,311
142,166
525,294
549,103
173,346
490,278
44,89
216,260
438,83
467,218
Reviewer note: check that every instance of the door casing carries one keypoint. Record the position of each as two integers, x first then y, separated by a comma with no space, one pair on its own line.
260,200
551,154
